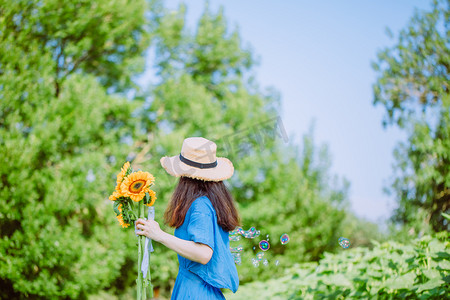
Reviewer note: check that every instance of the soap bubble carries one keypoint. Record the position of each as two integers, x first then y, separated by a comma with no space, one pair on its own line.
251,233
254,247
265,262
277,262
237,258
344,243
256,233
255,262
259,256
234,238
237,249
237,230
264,245
284,239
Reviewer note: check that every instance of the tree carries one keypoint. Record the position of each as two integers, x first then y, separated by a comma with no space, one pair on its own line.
60,127
413,86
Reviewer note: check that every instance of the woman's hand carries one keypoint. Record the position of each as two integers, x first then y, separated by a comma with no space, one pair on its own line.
150,229
194,251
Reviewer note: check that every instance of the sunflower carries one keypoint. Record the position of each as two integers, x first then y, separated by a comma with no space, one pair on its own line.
136,184
153,198
122,222
122,174
116,194
120,218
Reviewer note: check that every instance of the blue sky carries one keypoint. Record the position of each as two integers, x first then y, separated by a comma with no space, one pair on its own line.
317,54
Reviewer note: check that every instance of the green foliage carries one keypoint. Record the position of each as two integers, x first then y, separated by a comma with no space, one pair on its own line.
66,128
95,37
59,142
413,86
389,271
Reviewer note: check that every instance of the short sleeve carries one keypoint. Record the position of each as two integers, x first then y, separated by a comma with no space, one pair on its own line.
201,228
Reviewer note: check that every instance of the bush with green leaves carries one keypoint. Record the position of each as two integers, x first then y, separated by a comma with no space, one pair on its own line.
389,271
60,142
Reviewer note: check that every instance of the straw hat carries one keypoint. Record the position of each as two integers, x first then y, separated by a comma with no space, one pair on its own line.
198,160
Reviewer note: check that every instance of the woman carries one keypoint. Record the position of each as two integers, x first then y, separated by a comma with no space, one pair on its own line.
203,213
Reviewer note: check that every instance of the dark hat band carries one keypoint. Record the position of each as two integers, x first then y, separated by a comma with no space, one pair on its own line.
196,164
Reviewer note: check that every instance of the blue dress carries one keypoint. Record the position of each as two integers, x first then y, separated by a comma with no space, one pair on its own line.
197,281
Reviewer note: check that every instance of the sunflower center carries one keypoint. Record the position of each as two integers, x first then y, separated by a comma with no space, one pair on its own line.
137,186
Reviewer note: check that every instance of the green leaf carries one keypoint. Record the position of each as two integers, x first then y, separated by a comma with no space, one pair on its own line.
443,255
432,274
430,284
116,207
405,281
447,216
444,265
436,246
337,279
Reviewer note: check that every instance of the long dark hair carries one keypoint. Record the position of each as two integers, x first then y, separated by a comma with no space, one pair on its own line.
189,189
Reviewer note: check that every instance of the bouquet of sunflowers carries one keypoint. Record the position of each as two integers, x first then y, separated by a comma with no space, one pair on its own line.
131,194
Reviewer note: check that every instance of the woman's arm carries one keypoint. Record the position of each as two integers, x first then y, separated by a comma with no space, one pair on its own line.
188,249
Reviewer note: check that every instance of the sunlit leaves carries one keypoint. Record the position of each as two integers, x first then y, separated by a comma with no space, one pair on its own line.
390,270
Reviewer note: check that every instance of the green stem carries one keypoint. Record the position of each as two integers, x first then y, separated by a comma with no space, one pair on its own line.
131,210
140,290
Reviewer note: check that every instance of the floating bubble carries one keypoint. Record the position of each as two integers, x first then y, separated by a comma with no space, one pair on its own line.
254,247
237,230
284,239
277,262
237,249
264,245
344,243
252,233
237,258
259,256
234,238
255,262
265,262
